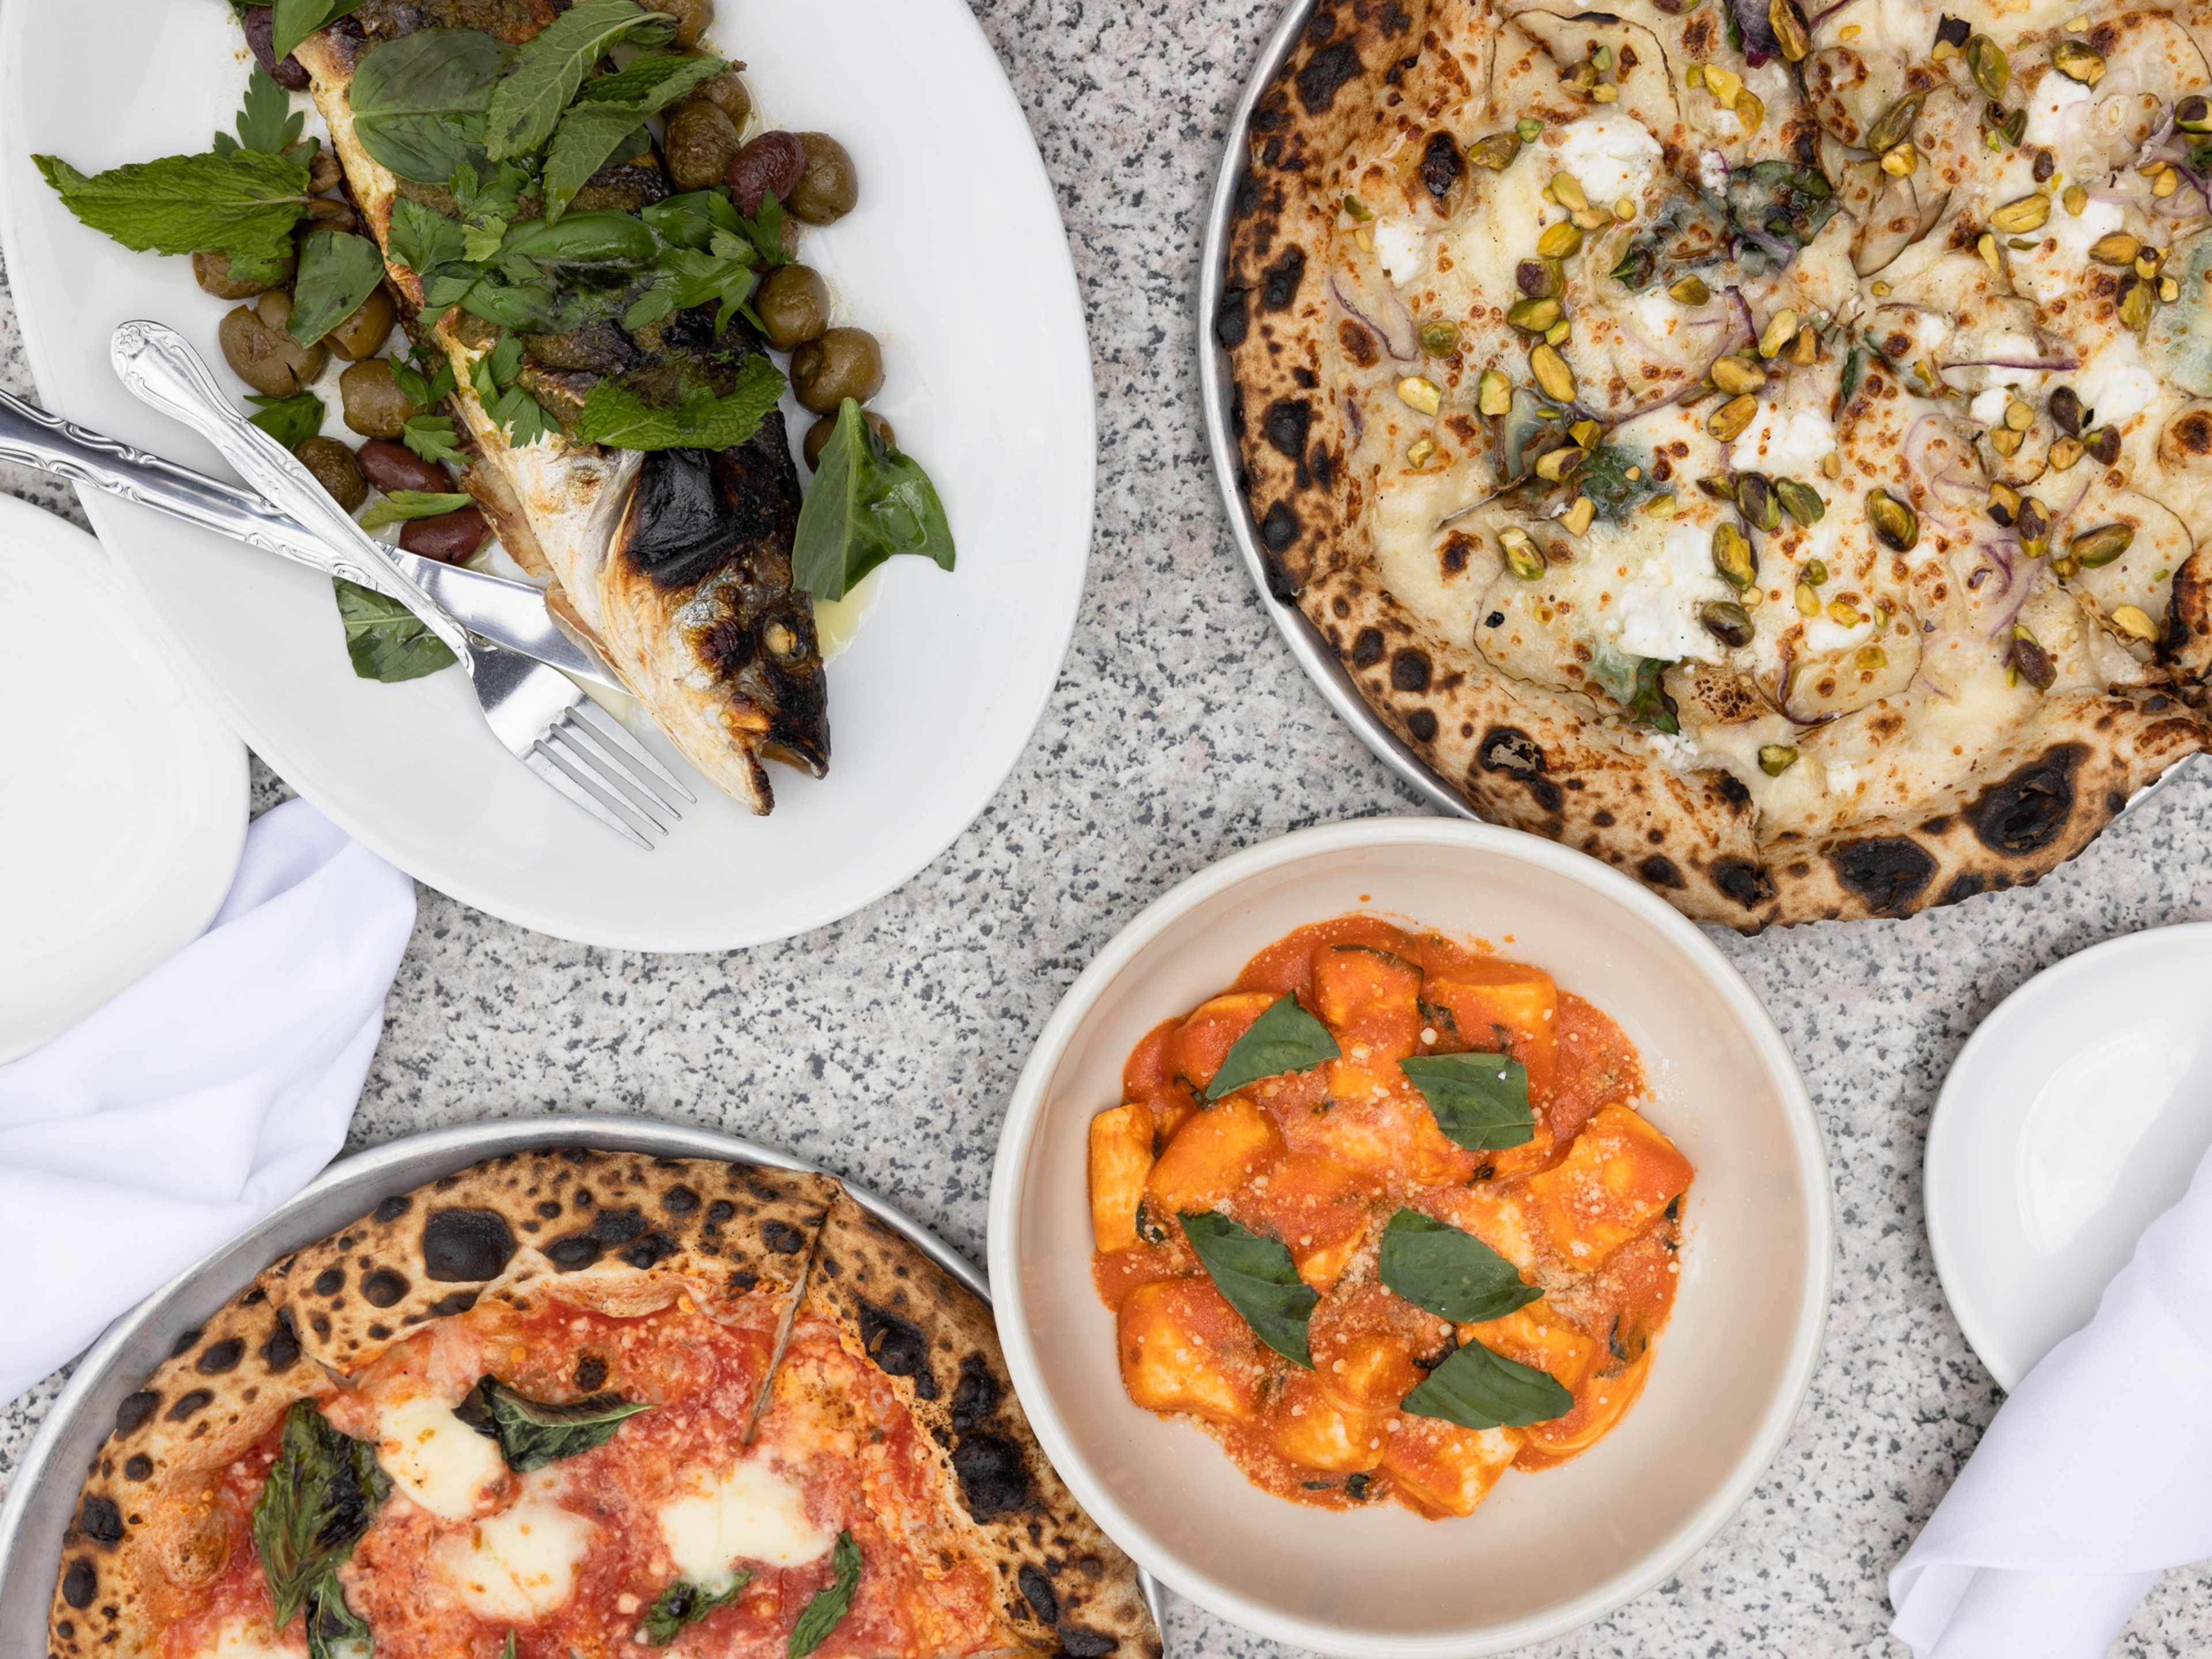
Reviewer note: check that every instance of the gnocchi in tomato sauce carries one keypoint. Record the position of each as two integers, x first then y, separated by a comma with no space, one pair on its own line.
1385,1218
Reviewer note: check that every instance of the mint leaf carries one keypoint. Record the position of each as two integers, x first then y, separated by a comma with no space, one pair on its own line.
1453,1274
586,140
1480,1101
433,438
385,641
243,204
268,122
651,82
682,1604
419,101
830,1604
1257,1277
290,421
295,19
1286,1038
552,66
1479,1389
402,505
614,416
337,272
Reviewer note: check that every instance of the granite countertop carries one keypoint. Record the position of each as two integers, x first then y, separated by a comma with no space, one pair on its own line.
1181,731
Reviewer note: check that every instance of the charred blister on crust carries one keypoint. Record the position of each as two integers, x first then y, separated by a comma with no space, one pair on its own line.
2025,813
1887,871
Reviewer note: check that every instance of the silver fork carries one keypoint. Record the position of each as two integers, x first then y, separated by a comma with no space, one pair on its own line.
540,716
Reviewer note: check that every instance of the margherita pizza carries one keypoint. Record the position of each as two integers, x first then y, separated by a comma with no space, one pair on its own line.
571,1403
1765,447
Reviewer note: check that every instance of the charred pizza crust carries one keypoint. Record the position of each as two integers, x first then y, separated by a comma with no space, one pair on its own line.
1520,752
626,1234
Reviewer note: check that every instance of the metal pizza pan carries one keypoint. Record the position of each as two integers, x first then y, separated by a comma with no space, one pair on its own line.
46,1482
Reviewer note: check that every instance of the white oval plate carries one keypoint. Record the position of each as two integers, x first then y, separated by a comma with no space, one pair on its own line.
956,258
2072,1119
122,796
1542,1555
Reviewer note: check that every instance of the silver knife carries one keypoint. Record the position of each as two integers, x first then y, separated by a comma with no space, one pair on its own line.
506,613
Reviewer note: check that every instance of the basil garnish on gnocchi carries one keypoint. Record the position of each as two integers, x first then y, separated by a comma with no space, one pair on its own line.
1419,1230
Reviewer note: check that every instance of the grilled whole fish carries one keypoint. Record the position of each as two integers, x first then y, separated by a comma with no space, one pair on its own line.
676,562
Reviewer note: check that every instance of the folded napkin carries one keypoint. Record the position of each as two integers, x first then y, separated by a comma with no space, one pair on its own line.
2092,1479
199,1099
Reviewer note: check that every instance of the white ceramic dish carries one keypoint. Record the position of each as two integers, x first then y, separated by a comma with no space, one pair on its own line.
1547,1552
2072,1119
122,796
989,385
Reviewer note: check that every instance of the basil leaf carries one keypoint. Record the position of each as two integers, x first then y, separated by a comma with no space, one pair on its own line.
295,19
1258,1279
422,238
830,1604
1453,1274
402,505
869,503
552,65
337,272
603,237
614,416
419,101
1649,705
433,438
384,640
1479,1100
1286,1038
1479,1389
321,1494
267,122
532,1434
335,1631
1848,388
508,1652
244,203
290,421
682,1604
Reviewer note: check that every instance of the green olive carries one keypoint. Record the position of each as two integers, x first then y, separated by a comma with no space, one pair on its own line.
829,186
324,171
726,93
701,143
328,213
693,19
336,470
845,362
817,435
793,306
374,405
261,353
212,272
363,334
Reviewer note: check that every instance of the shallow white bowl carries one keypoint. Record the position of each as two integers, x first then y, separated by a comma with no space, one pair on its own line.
1546,1552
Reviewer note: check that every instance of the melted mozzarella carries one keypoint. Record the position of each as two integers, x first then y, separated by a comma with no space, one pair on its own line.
517,1565
2116,383
436,1459
1610,156
246,1638
748,1513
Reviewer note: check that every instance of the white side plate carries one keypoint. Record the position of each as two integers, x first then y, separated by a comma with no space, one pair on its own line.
122,795
2071,1120
955,259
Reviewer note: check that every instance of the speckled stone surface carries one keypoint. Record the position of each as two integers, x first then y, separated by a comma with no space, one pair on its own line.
1181,731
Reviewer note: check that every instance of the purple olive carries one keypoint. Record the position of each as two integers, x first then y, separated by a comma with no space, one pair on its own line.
773,164
450,537
392,466
261,35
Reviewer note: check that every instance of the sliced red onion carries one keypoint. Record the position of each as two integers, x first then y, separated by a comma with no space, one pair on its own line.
1399,338
1354,418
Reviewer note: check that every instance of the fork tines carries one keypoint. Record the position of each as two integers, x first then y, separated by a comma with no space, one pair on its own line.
606,772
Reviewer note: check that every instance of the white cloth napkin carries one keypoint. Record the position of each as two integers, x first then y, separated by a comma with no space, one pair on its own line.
2092,1479
200,1098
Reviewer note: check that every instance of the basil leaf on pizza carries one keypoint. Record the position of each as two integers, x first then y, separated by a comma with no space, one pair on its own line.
1479,1389
831,1603
321,1494
532,1434
682,1604
1286,1038
1453,1274
1256,1276
1479,1100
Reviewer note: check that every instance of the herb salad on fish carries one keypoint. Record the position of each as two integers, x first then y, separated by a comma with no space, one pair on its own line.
591,265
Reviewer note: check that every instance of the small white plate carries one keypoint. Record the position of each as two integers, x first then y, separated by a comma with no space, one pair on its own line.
955,257
2071,1121
122,796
